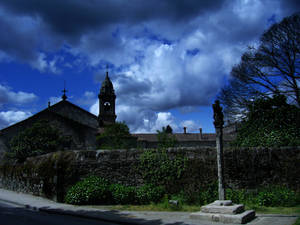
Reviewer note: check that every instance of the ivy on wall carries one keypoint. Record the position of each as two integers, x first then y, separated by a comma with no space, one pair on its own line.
158,168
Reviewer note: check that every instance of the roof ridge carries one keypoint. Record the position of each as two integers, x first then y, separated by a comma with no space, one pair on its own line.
49,107
76,106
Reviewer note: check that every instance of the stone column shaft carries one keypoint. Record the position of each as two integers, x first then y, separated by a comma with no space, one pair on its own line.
220,161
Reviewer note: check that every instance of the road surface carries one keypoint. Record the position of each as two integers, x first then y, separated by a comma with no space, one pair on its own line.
15,215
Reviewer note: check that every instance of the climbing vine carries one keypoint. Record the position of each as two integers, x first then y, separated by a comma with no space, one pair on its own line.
159,168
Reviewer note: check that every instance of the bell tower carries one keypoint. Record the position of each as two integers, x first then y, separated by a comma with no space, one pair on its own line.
107,99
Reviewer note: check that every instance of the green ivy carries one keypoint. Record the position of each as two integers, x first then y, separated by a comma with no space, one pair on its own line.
159,169
149,193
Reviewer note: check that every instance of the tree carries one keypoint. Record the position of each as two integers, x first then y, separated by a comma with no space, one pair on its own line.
270,122
40,138
271,68
115,136
166,138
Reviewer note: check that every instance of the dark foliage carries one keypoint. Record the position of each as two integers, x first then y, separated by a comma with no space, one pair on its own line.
115,136
122,194
270,122
39,139
166,138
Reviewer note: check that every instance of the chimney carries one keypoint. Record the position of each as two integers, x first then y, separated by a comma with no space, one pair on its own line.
184,130
200,129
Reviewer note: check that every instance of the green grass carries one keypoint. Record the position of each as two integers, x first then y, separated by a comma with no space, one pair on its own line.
157,207
275,210
163,206
194,208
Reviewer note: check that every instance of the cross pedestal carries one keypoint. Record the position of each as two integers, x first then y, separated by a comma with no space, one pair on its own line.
222,210
225,212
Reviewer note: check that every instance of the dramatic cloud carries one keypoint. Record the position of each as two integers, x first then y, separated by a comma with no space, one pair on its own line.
162,54
9,97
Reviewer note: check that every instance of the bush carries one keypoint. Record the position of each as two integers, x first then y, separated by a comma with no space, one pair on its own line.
276,196
122,194
91,190
149,193
208,194
238,196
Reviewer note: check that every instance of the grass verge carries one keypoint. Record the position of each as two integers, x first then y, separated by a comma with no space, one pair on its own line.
194,208
275,210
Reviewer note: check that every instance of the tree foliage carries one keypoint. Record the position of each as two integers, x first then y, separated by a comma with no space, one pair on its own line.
270,122
115,136
40,138
271,68
166,138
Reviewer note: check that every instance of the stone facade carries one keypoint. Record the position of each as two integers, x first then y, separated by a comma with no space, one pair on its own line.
52,174
70,119
107,101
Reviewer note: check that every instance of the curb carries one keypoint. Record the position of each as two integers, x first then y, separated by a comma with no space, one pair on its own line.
125,221
104,218
14,203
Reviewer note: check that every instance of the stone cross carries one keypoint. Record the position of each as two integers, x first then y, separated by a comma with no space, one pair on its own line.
219,122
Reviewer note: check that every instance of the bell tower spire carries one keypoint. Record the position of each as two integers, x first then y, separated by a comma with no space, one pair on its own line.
107,100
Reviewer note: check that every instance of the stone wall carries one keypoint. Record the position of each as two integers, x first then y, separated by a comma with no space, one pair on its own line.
52,174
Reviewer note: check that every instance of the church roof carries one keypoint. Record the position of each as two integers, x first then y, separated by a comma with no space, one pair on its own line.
67,110
74,112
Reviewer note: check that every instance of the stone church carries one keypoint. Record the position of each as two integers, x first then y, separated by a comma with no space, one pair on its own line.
82,126
73,121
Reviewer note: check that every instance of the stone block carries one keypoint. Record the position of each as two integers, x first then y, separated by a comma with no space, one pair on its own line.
222,202
230,209
241,218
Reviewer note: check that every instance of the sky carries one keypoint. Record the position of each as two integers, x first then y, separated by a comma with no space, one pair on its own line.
167,59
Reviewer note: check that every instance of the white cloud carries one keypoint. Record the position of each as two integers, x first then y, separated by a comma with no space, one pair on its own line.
95,108
191,125
89,94
54,99
45,65
10,117
7,96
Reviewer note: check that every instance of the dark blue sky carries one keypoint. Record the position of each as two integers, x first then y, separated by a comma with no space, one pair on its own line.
167,58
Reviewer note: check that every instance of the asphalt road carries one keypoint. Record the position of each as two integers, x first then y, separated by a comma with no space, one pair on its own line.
14,215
